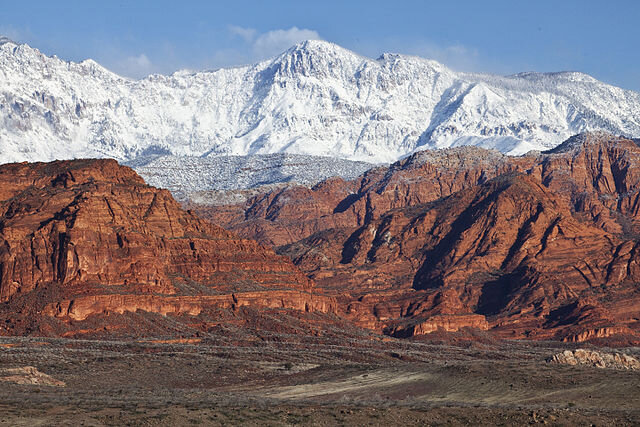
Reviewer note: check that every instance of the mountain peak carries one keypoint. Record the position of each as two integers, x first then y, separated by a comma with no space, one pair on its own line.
316,98
315,45
4,40
94,66
569,76
584,139
395,58
317,57
315,48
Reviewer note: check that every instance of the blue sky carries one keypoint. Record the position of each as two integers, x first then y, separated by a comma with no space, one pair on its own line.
135,38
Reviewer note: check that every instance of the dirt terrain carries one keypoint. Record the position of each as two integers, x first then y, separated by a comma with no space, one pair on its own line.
509,297
287,379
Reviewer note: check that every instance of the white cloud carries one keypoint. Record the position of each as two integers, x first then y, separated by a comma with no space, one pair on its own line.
256,46
247,34
17,35
453,55
456,56
135,66
274,42
228,58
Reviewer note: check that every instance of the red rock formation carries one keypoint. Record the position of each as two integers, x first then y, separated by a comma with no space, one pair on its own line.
88,238
447,323
81,308
543,246
287,215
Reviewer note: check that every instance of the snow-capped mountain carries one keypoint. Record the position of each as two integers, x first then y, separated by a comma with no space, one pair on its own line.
316,98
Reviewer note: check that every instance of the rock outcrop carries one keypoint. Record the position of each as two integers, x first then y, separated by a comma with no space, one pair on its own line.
447,323
542,246
597,359
89,238
29,375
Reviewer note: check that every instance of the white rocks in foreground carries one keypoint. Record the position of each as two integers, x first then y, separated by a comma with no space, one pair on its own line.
596,359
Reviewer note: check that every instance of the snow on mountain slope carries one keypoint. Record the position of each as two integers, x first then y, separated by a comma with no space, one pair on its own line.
316,98
190,177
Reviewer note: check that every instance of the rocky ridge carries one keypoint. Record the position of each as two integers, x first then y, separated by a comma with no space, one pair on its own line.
596,359
542,246
28,375
210,179
89,239
316,98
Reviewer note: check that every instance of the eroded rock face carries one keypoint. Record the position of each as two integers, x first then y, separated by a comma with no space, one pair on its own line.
28,375
287,215
597,359
447,323
543,246
88,238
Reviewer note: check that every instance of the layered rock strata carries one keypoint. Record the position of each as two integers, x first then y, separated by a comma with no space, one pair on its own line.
542,246
597,359
89,238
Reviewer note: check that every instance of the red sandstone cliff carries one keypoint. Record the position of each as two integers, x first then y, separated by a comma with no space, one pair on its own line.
544,246
89,238
539,246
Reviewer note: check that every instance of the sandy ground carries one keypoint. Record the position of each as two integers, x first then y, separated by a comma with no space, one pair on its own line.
308,382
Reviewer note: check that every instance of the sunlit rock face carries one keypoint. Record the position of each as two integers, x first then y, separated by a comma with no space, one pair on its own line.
542,246
83,239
